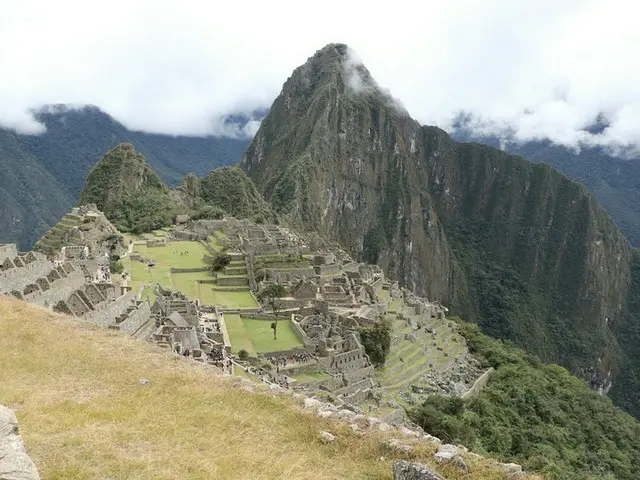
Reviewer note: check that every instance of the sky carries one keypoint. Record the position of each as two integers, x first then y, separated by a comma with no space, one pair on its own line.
543,69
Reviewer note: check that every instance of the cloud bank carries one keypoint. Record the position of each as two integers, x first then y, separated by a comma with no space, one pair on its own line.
529,70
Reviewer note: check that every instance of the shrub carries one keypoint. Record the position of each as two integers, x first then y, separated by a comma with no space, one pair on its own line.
243,354
376,341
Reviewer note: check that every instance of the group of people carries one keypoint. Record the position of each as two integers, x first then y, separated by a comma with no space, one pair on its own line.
104,274
213,327
293,358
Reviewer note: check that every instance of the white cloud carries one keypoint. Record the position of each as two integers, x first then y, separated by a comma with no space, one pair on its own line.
537,69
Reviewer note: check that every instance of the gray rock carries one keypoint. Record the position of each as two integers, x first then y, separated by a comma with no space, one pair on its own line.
324,413
512,471
431,438
446,452
384,427
451,454
403,470
345,414
312,404
15,464
327,437
397,446
459,462
408,432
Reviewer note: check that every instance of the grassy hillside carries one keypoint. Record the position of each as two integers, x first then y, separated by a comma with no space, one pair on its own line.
84,414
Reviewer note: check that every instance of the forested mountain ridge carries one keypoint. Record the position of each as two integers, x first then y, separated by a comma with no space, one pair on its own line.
515,246
614,180
46,172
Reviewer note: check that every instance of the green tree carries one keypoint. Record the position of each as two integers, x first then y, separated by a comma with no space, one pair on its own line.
270,296
376,341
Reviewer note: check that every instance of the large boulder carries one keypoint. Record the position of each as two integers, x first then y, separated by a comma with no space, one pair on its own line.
403,470
15,464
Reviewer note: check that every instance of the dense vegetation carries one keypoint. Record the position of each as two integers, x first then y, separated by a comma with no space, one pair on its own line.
41,176
229,189
31,199
614,181
130,194
537,415
626,389
376,341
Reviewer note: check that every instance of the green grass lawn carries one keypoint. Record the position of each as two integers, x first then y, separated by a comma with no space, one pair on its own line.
194,256
310,377
238,334
226,299
213,243
186,283
255,335
262,335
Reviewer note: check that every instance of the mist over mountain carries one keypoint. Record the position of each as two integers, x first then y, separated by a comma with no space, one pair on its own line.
44,174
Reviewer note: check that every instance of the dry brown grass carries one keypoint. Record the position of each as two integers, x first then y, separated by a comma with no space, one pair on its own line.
85,415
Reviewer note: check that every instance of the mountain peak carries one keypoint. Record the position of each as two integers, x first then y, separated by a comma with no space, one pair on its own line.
337,67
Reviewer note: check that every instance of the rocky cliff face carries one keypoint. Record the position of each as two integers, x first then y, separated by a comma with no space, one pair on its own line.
518,247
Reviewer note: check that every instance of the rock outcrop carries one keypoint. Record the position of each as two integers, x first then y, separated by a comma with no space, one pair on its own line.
403,470
15,464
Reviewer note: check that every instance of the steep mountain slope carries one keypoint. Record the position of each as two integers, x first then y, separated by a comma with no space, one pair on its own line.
53,166
229,189
31,199
127,190
615,182
515,246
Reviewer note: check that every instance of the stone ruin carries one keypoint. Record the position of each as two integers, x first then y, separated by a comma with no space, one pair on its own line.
330,296
75,280
84,226
336,344
184,328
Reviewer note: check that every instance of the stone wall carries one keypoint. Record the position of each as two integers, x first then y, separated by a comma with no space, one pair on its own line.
136,319
59,289
479,384
359,374
377,285
105,313
19,277
189,270
232,281
332,269
8,250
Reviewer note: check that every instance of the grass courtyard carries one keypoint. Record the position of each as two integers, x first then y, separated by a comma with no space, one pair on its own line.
184,254
255,336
